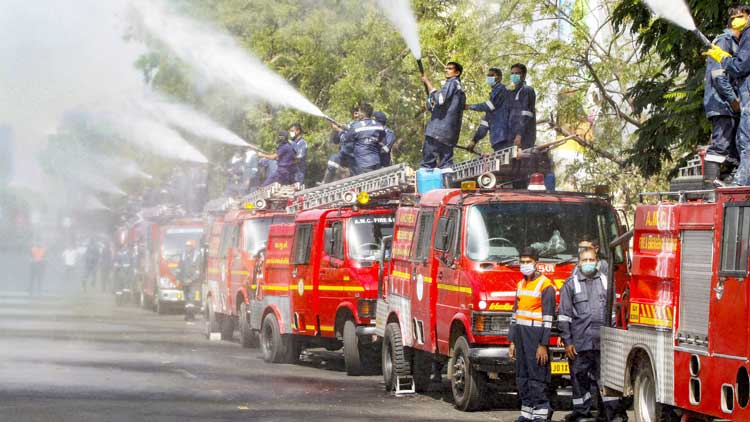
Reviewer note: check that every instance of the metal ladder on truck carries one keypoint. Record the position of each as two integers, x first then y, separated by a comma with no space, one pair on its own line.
498,162
375,184
274,196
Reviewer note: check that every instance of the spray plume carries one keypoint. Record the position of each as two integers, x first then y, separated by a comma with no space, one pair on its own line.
677,12
190,120
400,14
218,58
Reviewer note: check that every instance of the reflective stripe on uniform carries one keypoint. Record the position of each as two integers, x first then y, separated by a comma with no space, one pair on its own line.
441,98
364,128
532,323
547,318
529,293
717,72
609,399
333,164
541,412
581,400
564,318
484,123
527,113
527,412
530,314
490,105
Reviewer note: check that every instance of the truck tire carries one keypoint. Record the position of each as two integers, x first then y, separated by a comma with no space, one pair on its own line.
271,346
352,356
248,338
467,384
212,324
395,358
161,308
421,369
645,406
226,323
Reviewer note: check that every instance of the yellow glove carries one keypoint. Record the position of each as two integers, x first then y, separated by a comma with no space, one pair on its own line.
716,53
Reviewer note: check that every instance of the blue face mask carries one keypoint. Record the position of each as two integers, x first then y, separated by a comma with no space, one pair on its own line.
516,79
491,80
588,268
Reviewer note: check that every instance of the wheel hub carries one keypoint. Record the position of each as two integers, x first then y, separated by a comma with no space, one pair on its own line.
459,373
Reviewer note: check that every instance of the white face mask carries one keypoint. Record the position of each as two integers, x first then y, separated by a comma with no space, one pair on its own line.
527,269
292,135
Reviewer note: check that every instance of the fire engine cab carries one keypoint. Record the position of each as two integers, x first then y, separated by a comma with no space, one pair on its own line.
448,290
238,231
318,284
683,349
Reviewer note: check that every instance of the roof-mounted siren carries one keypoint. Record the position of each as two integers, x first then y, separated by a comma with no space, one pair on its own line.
260,204
350,197
487,181
536,182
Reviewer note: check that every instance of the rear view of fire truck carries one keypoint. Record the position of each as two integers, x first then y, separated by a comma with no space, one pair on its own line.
319,282
683,349
447,295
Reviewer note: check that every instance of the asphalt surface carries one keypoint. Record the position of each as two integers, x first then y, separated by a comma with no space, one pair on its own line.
81,358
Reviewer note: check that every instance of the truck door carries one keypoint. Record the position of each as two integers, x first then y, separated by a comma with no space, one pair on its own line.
301,286
451,296
729,293
332,273
228,236
423,293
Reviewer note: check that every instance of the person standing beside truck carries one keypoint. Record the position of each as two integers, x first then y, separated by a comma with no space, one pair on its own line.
530,330
447,109
38,256
189,273
583,308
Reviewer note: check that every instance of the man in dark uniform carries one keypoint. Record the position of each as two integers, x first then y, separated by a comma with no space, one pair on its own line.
388,141
495,111
530,329
447,108
583,305
521,109
365,137
300,148
343,158
285,157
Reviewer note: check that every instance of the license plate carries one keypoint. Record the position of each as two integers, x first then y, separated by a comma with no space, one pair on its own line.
560,368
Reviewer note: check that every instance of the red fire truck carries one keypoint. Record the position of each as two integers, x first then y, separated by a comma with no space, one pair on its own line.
683,350
319,281
235,242
448,292
164,243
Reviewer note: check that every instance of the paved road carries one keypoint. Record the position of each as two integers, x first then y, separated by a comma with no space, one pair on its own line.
83,359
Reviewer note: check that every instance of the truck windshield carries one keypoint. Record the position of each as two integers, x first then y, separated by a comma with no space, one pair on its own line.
499,231
175,238
364,234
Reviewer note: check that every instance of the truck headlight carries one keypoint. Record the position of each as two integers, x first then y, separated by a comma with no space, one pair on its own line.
490,323
366,308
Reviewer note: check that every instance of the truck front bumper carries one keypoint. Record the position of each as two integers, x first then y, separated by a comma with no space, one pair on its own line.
171,296
495,359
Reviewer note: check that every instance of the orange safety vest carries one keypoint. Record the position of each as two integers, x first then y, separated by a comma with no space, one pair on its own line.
529,302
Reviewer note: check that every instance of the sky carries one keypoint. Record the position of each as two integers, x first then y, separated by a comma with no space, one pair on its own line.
55,56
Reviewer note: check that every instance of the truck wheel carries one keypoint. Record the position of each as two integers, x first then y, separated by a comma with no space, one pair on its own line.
161,308
395,362
271,346
247,337
212,324
352,357
467,384
421,369
227,327
645,406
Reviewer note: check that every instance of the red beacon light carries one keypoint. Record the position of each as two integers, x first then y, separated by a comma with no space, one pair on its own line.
536,182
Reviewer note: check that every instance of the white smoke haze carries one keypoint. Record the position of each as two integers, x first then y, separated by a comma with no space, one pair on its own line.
217,57
675,11
400,14
189,120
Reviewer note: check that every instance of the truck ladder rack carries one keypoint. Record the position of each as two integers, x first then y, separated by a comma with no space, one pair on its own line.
679,196
378,183
275,195
475,167
219,205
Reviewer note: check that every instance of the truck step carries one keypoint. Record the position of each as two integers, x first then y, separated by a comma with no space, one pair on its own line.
404,386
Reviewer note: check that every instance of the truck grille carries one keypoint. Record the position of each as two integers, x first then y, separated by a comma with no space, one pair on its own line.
490,323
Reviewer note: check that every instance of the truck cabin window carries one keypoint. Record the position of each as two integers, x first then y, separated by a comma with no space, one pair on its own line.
175,239
364,234
498,231
256,233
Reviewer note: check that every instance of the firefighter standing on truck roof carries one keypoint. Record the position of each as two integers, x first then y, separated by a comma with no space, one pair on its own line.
495,113
342,158
388,141
583,307
521,109
447,108
365,138
721,102
738,67
285,156
300,149
530,329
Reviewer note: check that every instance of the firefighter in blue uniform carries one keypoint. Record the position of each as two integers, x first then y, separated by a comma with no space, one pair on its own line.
388,141
530,329
365,138
343,158
721,104
300,149
285,159
738,68
521,109
583,308
447,108
495,109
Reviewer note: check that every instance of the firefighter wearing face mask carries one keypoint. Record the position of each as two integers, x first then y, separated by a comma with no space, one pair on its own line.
530,329
738,68
583,300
